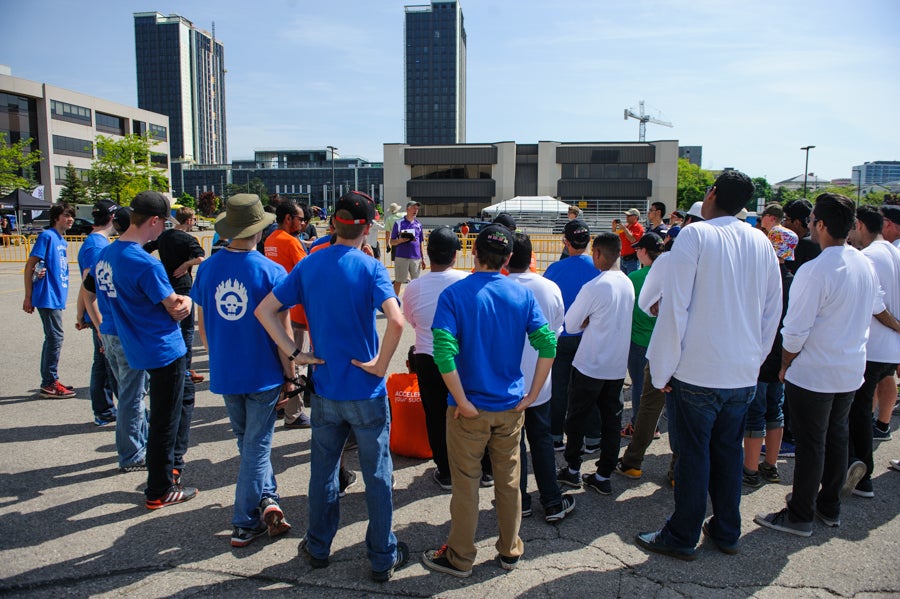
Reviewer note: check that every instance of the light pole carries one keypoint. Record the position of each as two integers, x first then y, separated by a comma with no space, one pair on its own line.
333,150
806,168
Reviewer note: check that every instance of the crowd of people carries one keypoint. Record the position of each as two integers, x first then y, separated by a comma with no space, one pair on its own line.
754,340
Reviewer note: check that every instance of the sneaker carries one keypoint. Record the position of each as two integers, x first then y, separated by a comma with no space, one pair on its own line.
508,563
557,513
487,480
896,409
787,450
442,480
881,435
273,516
627,431
176,476
436,559
650,541
346,479
527,511
894,465
400,560
104,421
780,521
241,537
657,435
134,466
633,473
175,494
56,391
826,520
855,473
769,473
727,549
589,449
864,489
590,481
559,446
302,421
315,562
752,479
564,477
196,378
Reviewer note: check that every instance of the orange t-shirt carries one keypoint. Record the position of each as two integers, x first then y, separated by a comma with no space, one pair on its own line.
409,437
285,249
637,229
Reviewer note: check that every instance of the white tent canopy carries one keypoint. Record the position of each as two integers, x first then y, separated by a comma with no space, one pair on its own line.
538,205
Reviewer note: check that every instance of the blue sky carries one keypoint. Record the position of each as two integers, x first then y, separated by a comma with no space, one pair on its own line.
750,82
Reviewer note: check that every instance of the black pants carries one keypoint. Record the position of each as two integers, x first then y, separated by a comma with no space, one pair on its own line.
587,394
166,391
861,415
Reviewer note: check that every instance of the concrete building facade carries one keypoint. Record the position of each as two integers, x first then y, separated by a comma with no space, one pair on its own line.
877,172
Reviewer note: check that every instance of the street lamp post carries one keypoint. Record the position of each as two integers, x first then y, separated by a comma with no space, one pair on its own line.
333,201
806,168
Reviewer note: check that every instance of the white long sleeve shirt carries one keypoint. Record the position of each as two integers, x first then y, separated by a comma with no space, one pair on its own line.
884,343
720,307
607,302
420,302
651,292
550,299
832,300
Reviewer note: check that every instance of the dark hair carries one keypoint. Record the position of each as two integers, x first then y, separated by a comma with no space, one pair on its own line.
798,210
733,190
609,244
871,218
285,209
58,210
306,211
837,212
659,206
521,254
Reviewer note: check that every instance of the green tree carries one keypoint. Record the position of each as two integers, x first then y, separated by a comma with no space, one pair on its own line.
74,191
692,183
123,169
762,192
187,200
16,164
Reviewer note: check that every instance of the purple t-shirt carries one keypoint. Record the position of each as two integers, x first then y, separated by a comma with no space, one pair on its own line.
411,249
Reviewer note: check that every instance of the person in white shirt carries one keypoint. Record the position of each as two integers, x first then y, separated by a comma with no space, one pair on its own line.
721,302
537,415
603,310
825,330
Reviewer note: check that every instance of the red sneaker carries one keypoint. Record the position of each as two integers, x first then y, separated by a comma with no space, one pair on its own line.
56,391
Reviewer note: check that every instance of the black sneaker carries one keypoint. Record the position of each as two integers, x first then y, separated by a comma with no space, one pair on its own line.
302,421
752,479
855,473
399,561
508,563
436,559
564,477
864,489
727,549
769,473
590,481
559,446
442,480
346,479
651,542
589,449
527,511
134,466
175,494
487,480
273,516
780,521
557,513
241,537
315,562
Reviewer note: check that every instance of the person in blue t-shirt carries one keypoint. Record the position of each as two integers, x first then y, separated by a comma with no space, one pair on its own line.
245,365
46,288
349,388
103,382
146,312
487,395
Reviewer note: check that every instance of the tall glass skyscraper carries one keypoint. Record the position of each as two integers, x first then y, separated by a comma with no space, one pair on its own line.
181,73
435,74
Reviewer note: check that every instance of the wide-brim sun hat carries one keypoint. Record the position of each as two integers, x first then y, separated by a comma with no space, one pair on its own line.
243,217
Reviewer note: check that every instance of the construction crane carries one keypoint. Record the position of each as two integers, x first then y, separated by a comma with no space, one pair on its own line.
644,119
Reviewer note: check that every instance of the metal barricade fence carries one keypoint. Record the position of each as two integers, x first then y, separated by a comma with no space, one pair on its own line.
14,248
546,247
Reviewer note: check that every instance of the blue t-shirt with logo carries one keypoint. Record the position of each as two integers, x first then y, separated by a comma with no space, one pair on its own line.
488,314
52,290
570,274
87,256
340,288
242,356
135,283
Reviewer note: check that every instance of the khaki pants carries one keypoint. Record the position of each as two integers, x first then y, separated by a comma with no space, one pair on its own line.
467,439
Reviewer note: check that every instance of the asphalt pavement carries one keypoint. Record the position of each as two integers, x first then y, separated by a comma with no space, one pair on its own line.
72,525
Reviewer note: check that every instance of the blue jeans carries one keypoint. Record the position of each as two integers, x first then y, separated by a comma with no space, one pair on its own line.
53,340
543,461
182,437
332,421
103,383
629,263
253,422
131,422
637,357
710,424
765,410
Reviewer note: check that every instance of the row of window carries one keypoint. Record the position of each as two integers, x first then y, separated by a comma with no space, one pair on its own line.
59,173
105,122
443,171
604,171
70,112
71,146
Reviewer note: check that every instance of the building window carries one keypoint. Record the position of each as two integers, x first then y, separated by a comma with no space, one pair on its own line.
59,173
444,171
70,146
110,124
158,132
159,160
604,171
138,127
70,112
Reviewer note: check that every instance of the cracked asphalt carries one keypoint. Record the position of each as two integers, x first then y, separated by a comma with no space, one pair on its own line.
72,525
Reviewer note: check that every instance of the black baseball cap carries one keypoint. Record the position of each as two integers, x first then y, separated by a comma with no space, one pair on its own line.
360,206
443,240
577,232
506,220
495,239
103,211
649,241
150,203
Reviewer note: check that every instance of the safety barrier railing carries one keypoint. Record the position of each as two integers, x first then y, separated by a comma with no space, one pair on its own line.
14,248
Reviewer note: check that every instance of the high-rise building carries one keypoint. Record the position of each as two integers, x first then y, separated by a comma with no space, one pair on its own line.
435,74
876,173
181,73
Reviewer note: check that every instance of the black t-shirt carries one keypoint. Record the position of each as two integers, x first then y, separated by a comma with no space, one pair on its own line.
175,248
806,250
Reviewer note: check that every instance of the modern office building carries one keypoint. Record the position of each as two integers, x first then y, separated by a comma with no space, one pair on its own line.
64,124
181,73
878,172
456,182
694,154
435,74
